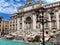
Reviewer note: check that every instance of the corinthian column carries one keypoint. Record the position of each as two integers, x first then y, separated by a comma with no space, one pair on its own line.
34,22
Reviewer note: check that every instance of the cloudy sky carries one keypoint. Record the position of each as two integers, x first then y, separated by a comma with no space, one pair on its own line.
8,7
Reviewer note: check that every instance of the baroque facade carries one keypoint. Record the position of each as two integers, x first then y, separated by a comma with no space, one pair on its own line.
27,19
4,26
0,25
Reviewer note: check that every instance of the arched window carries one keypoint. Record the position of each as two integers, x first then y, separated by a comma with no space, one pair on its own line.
28,22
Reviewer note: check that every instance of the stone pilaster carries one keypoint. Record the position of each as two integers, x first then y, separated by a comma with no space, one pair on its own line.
9,26
49,16
34,22
18,23
57,20
23,23
10,22
41,23
15,24
2,25
12,25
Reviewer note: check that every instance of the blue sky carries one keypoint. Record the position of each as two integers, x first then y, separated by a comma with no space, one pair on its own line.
8,7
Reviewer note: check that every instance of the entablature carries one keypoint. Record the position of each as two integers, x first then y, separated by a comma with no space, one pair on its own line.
55,4
38,6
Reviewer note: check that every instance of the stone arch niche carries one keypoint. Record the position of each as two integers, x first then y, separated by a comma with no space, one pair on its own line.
28,22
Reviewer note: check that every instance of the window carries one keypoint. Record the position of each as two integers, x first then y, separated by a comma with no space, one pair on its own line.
13,28
10,25
13,25
59,16
38,18
13,21
20,25
6,28
46,24
54,31
0,25
6,25
51,17
10,28
0,21
21,19
46,32
54,24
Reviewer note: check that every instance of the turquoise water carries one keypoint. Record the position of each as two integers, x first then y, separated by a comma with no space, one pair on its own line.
47,43
13,42
10,42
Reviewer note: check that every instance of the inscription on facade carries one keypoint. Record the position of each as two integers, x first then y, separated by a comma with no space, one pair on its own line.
37,5
28,8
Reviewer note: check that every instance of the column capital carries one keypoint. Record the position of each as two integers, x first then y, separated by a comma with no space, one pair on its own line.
56,9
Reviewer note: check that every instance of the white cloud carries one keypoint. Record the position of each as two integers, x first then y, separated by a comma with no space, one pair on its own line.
8,7
8,10
51,1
